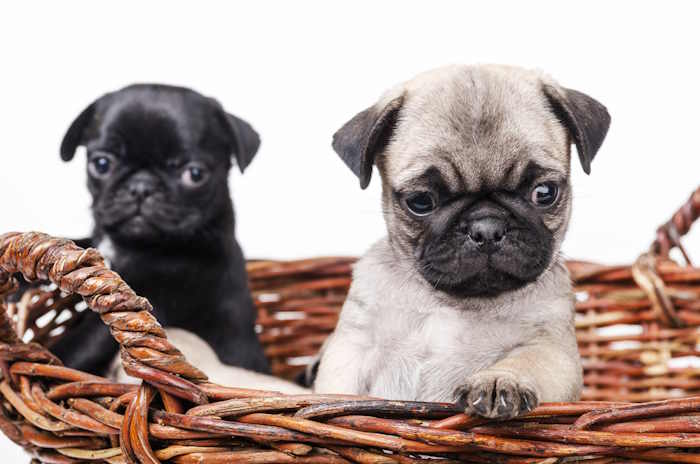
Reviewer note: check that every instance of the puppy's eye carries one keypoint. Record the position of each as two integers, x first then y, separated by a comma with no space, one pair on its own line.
194,175
421,203
544,194
101,165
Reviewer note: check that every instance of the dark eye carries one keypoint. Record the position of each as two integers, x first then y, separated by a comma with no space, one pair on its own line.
544,194
421,203
101,165
194,175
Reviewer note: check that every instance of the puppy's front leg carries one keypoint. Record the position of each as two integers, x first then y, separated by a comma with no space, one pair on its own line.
339,369
547,370
343,357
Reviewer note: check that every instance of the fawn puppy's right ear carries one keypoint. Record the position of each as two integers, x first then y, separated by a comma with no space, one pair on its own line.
362,138
75,135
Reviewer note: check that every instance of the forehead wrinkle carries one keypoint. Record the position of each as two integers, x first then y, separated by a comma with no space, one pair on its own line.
450,171
405,174
484,121
417,170
502,152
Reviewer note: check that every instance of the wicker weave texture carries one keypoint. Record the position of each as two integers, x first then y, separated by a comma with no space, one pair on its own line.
636,327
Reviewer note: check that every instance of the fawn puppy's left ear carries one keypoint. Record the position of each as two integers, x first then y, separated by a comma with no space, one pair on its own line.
586,119
363,137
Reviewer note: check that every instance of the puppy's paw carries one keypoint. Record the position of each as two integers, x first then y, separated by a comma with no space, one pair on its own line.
496,395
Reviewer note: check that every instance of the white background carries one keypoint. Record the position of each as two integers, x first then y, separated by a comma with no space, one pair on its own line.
298,70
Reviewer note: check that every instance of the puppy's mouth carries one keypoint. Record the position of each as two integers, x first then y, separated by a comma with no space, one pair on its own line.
128,221
148,222
482,277
138,225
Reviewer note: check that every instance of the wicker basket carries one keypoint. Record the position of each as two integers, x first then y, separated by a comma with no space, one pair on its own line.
636,326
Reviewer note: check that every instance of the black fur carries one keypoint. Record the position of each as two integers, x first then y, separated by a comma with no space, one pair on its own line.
173,243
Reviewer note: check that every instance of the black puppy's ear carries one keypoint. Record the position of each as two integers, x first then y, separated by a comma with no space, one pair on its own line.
246,141
586,119
75,135
363,137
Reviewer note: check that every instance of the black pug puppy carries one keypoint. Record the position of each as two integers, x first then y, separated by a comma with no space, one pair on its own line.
158,159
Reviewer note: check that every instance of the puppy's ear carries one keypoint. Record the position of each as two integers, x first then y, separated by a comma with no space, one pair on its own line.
244,138
75,135
363,137
586,119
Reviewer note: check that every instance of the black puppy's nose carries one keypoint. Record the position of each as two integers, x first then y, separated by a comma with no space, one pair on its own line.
141,186
141,190
486,231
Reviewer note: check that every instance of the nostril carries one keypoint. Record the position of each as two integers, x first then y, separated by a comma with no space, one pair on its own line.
498,236
140,190
476,237
486,230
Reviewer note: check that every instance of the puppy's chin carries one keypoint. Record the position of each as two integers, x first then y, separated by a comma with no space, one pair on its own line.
488,282
143,232
135,230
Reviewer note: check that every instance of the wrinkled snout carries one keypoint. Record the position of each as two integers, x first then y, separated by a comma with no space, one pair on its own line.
485,247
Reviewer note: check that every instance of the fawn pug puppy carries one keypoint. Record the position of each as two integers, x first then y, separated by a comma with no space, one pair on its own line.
467,298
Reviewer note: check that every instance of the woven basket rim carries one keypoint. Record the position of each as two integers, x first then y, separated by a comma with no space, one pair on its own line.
349,428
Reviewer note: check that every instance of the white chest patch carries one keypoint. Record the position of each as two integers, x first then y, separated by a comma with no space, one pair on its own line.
428,357
106,249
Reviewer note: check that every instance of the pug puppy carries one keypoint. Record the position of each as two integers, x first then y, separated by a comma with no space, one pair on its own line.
158,159
467,299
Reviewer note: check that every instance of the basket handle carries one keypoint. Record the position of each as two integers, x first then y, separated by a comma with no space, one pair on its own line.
669,234
145,350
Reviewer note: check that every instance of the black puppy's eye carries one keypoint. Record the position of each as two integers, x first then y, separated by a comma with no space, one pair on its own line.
544,194
421,203
101,165
194,175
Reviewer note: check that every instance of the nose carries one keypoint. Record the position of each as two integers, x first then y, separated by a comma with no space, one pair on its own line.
487,231
141,186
